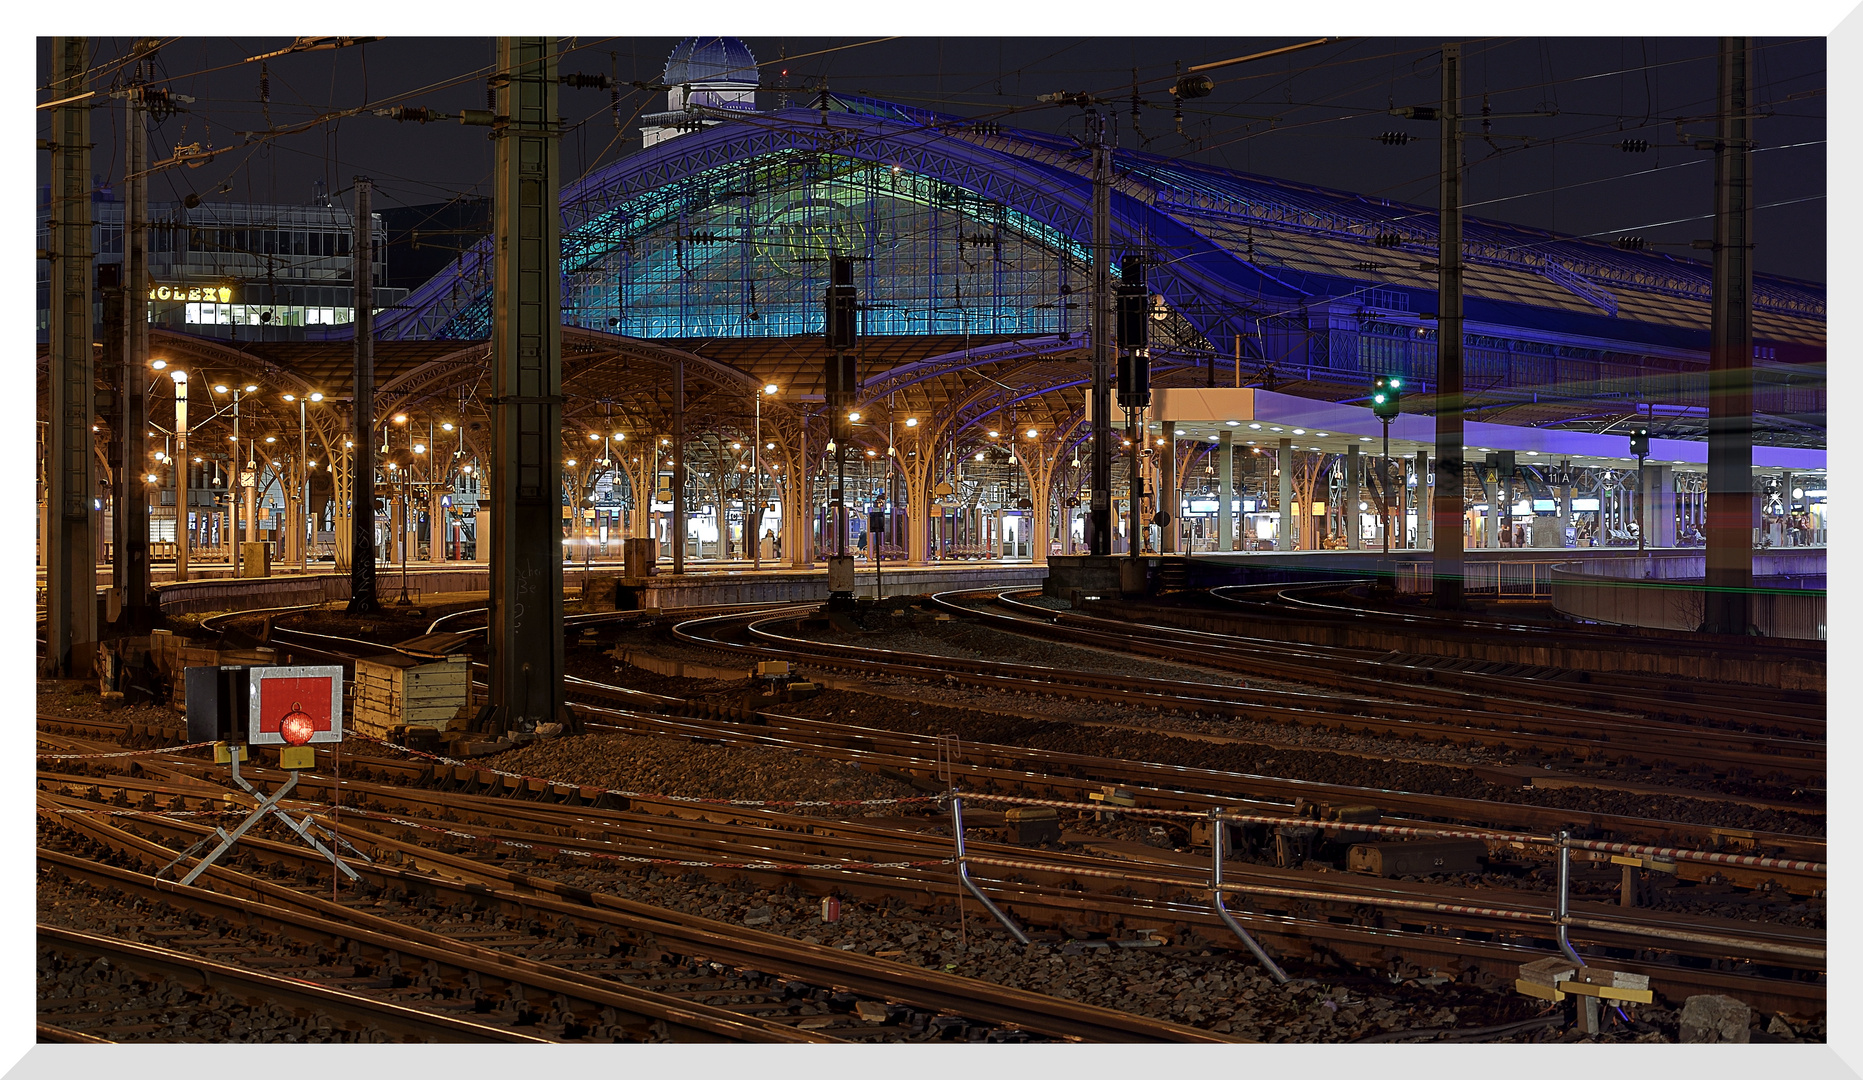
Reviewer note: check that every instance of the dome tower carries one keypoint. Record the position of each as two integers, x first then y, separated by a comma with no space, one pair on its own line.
703,74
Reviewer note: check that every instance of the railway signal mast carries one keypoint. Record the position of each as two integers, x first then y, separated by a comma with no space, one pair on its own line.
1386,391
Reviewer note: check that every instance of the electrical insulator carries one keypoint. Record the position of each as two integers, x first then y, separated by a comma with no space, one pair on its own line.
579,81
1387,240
1193,86
1394,138
1634,146
1416,112
1632,243
265,83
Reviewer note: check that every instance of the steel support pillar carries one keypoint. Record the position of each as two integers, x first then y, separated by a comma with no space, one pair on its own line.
1423,504
1284,462
527,387
1355,522
1730,356
70,560
676,531
1100,328
132,494
1446,501
1659,505
1168,500
362,414
1226,492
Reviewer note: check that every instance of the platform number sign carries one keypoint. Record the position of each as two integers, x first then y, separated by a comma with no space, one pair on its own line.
296,706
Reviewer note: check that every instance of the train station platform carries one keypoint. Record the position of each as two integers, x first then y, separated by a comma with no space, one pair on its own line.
703,585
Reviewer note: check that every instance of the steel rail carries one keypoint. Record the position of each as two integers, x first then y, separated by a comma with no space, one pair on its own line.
297,993
1223,699
739,946
1379,671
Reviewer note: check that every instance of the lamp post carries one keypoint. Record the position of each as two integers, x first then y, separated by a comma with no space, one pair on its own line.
303,472
232,499
756,472
181,473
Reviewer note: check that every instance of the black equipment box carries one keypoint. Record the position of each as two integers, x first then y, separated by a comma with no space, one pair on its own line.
218,700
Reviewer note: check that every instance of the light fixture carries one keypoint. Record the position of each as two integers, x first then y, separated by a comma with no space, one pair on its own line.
594,437
1297,431
769,446
401,418
251,387
288,397
180,377
737,446
269,440
1254,427
854,417
317,395
158,364
571,461
1031,433
993,434
912,421
1233,423
419,448
771,388
220,388
980,455
1274,429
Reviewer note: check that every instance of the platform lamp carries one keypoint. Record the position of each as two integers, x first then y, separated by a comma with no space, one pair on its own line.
181,473
303,471
232,499
756,446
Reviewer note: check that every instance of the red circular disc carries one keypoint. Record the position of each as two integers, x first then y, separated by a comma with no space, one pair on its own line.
297,728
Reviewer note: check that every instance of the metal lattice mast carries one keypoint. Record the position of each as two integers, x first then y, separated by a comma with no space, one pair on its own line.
131,558
362,414
70,562
1446,505
1730,356
527,403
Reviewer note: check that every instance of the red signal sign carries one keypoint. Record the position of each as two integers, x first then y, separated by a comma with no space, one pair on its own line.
296,706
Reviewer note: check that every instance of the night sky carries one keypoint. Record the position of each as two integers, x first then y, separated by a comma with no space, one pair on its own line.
1312,116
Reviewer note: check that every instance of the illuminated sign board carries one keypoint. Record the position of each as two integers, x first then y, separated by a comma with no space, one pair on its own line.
194,293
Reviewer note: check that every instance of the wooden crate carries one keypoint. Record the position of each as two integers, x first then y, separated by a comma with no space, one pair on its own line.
183,656
394,691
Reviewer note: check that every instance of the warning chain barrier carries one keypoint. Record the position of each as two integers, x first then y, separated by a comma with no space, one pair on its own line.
557,849
1413,831
127,753
444,760
1761,862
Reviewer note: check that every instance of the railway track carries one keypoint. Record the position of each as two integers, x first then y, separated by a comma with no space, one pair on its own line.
1551,692
146,990
1041,894
1621,742
1056,893
446,882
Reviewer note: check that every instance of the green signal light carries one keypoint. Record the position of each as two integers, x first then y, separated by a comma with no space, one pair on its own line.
1379,398
1396,383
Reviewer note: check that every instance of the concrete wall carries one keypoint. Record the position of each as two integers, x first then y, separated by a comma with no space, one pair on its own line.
1789,600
